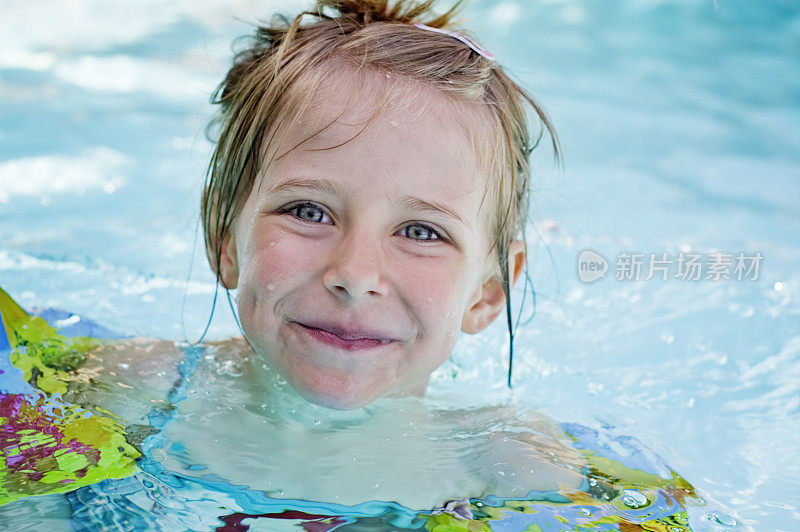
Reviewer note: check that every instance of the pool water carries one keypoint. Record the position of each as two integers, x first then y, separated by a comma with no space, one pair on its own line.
679,123
132,434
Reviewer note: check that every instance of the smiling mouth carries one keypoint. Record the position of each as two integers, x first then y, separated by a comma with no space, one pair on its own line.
334,340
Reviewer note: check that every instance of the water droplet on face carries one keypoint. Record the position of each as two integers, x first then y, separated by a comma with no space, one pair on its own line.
585,512
270,287
675,529
633,498
272,244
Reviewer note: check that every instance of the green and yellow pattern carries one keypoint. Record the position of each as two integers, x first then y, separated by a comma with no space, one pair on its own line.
47,445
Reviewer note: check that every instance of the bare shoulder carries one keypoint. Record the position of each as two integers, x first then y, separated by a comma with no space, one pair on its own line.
534,453
127,377
149,362
234,348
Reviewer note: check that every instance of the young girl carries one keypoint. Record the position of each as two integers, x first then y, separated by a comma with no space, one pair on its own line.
366,199
367,196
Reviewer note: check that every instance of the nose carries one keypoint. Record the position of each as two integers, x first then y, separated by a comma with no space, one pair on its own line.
355,269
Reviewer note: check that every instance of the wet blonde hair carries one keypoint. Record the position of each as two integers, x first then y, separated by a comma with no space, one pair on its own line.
274,79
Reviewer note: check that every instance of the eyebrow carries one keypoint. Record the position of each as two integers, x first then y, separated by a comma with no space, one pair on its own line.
331,187
418,204
322,185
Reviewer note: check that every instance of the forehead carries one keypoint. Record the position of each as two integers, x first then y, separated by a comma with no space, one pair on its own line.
386,130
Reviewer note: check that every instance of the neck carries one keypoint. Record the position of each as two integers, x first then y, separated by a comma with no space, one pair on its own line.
416,389
278,400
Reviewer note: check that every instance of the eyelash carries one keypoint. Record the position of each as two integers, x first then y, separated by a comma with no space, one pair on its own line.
293,208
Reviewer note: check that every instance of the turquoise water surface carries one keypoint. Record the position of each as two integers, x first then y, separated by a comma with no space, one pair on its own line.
679,124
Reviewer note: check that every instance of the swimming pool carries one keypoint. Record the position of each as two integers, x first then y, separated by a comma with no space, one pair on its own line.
679,125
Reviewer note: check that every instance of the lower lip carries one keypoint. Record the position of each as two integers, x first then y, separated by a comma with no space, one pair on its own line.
331,339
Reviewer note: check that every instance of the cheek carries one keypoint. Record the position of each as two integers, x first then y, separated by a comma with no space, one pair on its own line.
273,264
437,288
276,259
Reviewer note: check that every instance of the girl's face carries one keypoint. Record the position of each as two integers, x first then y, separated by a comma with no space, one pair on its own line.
359,255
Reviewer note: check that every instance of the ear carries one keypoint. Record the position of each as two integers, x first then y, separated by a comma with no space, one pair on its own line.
228,272
489,299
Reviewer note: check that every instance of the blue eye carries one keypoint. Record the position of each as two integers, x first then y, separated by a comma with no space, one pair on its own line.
307,212
420,232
